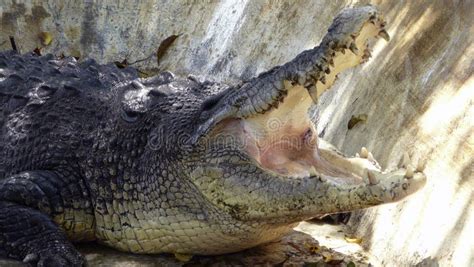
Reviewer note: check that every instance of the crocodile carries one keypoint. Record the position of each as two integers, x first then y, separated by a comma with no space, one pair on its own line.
92,152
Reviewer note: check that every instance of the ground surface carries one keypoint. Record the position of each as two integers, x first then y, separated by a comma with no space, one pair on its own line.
300,248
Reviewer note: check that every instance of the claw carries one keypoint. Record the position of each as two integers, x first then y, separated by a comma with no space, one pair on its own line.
372,178
384,35
354,48
364,153
410,172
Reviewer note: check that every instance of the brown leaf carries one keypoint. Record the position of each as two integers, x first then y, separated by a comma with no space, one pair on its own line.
164,45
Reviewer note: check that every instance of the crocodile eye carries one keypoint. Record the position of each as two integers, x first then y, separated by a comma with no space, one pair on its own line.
130,115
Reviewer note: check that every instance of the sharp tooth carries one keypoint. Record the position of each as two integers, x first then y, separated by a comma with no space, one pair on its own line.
406,159
372,178
313,92
420,167
410,172
357,155
322,178
354,48
331,62
384,34
364,153
322,80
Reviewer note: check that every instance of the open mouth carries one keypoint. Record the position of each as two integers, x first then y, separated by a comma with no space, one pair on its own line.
274,125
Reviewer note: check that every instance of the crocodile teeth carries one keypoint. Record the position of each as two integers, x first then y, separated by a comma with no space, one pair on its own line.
372,178
322,80
301,79
384,35
357,155
313,92
420,167
410,172
331,62
354,48
370,157
312,171
364,153
406,159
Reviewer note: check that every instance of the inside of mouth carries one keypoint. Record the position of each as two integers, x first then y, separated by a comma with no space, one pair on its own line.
284,141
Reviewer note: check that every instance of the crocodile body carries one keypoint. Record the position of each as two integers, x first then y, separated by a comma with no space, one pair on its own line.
176,165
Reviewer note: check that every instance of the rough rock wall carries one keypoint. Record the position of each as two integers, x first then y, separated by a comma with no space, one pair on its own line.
417,91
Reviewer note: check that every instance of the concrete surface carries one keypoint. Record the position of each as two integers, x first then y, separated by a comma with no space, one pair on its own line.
417,91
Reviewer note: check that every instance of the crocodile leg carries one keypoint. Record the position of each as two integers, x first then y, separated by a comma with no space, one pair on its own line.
31,206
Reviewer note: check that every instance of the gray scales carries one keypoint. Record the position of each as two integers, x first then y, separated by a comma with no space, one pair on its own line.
171,165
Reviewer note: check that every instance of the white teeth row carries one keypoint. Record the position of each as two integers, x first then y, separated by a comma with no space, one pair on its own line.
406,161
408,165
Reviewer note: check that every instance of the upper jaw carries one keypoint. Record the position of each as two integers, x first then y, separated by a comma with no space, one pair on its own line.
346,45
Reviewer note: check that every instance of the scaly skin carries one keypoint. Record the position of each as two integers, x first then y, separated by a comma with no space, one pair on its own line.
91,152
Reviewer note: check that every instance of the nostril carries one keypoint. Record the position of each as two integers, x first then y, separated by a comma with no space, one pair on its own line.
309,137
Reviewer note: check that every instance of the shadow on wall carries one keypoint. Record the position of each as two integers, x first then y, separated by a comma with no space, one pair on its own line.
418,94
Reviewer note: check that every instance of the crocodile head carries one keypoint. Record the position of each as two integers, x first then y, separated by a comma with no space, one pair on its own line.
262,155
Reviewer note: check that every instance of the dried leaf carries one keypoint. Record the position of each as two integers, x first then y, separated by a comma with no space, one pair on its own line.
164,45
355,240
183,257
46,38
355,120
